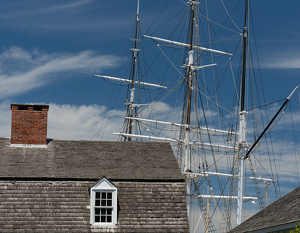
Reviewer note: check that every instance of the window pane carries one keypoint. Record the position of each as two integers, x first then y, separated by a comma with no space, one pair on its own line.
103,211
97,195
97,203
103,195
103,219
103,202
97,218
108,218
109,195
109,203
97,211
109,211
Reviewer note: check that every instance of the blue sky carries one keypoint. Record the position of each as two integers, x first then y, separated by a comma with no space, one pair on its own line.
51,50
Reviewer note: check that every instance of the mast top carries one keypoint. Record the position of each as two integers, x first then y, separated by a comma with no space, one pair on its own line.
193,2
138,11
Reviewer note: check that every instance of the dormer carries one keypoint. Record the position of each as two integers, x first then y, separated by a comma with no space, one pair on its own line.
103,203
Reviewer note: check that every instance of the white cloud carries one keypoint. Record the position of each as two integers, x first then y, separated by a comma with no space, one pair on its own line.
39,8
63,7
5,119
281,60
73,122
23,70
83,122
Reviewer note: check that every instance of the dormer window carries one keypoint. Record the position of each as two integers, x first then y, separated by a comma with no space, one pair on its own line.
103,203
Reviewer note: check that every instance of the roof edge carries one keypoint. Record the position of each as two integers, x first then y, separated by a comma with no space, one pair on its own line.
87,179
275,228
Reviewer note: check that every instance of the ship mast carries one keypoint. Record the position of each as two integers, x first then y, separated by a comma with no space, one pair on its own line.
189,79
242,124
135,51
132,82
188,129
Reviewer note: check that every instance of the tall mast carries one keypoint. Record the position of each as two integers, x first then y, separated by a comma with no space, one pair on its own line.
189,77
242,124
132,82
135,51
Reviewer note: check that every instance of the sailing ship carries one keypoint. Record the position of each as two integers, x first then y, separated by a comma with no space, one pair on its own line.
225,169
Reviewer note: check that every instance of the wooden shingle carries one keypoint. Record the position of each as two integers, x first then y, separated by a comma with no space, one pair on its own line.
89,160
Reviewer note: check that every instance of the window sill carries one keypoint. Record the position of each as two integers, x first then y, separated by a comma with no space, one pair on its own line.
103,225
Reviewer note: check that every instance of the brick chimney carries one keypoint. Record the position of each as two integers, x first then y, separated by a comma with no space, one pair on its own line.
29,124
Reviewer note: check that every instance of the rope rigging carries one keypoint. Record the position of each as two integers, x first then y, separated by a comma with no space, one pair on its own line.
203,105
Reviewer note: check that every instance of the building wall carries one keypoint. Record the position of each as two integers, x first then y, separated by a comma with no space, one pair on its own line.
63,206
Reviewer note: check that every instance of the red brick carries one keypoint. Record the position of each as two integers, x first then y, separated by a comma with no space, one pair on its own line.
29,126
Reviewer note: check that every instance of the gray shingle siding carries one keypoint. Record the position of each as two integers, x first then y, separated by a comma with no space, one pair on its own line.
63,206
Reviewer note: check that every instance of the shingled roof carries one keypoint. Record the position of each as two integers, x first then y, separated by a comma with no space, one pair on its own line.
282,214
89,160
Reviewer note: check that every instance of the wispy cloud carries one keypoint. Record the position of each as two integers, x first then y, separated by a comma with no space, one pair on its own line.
22,70
281,60
33,9
80,15
64,7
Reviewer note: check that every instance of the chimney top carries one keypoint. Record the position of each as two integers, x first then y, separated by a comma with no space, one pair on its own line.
36,107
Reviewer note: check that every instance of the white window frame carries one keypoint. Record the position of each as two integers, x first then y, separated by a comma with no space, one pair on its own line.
103,186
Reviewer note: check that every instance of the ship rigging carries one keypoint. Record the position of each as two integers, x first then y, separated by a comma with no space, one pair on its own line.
216,162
